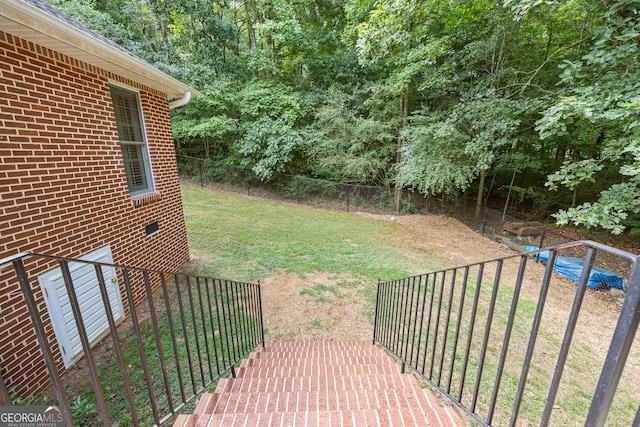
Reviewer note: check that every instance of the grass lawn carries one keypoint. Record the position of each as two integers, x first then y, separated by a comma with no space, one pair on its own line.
248,239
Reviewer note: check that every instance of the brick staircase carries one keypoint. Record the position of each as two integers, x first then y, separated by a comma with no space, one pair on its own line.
320,384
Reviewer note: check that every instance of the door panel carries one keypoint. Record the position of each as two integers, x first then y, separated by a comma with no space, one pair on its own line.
87,290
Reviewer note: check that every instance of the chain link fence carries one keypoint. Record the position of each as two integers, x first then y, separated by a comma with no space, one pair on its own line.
353,197
315,192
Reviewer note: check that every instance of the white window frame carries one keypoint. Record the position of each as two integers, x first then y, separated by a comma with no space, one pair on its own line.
139,141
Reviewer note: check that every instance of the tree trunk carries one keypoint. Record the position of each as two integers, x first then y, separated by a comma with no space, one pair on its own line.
480,194
252,17
404,106
506,204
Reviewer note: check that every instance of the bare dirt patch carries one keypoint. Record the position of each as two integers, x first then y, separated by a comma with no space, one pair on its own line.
317,307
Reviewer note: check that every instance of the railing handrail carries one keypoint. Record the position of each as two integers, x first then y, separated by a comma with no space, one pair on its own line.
23,255
225,325
609,249
400,322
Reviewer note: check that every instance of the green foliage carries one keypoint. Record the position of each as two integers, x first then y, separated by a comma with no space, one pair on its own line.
205,126
612,211
268,145
260,99
572,174
445,151
344,146
83,409
435,160
101,22
211,127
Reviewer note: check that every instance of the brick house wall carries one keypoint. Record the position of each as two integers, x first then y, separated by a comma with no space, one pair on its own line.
63,186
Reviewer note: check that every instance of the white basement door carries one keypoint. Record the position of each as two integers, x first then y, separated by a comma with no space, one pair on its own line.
92,309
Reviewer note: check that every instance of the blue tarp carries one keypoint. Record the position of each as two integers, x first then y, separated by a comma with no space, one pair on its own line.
571,268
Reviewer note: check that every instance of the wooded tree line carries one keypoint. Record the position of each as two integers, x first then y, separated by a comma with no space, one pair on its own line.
529,104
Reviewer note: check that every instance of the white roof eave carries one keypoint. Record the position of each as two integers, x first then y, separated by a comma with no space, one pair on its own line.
30,23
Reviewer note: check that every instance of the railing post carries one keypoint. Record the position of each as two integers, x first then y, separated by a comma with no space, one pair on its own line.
5,398
261,323
141,351
375,316
621,342
116,344
568,336
38,326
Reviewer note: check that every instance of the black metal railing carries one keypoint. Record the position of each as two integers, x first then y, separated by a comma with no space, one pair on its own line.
504,339
179,335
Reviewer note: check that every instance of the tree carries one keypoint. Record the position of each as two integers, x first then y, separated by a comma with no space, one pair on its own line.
344,146
268,145
208,125
388,36
269,112
601,101
447,150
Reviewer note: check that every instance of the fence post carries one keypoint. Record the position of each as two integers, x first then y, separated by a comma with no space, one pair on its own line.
201,173
348,191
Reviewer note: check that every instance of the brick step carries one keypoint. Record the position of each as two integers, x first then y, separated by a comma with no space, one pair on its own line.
337,400
328,383
302,345
370,418
315,371
267,353
320,384
185,420
328,360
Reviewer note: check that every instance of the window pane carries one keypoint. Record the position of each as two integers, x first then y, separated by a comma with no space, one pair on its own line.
127,115
134,165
